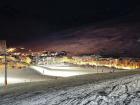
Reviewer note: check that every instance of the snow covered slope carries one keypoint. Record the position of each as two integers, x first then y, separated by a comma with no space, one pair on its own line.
122,91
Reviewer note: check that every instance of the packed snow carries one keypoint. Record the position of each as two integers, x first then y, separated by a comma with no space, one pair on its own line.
120,91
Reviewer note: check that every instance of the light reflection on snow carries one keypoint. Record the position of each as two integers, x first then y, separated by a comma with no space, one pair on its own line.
12,80
60,73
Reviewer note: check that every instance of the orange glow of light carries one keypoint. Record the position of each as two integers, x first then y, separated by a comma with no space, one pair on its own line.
11,50
116,63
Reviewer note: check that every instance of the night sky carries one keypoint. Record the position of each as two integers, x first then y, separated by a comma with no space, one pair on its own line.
107,27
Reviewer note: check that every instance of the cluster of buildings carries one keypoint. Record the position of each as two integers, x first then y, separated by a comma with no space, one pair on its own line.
29,52
35,56
45,57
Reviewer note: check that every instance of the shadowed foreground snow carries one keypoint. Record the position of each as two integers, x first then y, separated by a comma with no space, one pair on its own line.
122,91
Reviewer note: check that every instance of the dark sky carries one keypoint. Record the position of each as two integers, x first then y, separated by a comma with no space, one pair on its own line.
26,22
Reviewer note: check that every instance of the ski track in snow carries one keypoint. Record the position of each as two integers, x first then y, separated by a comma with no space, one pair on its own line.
123,91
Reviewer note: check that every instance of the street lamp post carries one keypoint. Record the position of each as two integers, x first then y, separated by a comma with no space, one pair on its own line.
3,50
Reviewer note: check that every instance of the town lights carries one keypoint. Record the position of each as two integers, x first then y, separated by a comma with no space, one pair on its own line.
11,50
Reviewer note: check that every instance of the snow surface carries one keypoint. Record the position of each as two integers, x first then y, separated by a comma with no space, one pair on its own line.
67,70
22,76
121,91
